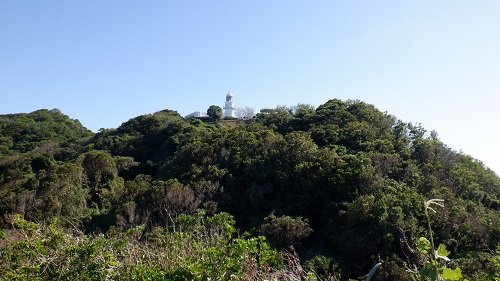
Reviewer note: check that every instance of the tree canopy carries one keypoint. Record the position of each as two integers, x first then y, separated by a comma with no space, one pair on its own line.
343,182
214,112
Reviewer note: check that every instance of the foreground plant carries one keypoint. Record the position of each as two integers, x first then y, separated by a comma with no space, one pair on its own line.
435,266
203,247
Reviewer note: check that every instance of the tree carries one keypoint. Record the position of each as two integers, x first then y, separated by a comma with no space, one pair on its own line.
301,109
284,231
245,113
214,112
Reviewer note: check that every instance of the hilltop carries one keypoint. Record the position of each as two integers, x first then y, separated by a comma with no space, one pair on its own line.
343,180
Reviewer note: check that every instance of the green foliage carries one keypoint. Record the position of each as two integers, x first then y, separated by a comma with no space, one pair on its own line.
435,268
356,173
323,267
435,260
207,251
214,112
424,245
21,133
284,231
492,266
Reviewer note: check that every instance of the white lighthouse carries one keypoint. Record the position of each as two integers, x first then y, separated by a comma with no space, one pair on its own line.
229,106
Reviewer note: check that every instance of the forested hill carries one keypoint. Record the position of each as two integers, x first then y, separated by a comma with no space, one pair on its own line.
344,181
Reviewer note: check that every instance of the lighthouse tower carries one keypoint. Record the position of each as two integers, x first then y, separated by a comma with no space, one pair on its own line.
229,106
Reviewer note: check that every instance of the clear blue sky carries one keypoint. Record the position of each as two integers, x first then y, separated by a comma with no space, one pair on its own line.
104,62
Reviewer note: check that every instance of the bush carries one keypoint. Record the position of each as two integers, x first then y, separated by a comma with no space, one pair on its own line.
284,231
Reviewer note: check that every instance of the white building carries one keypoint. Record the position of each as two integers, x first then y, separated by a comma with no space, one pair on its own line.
229,109
197,114
229,106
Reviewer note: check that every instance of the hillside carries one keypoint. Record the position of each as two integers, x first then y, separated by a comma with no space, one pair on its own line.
344,181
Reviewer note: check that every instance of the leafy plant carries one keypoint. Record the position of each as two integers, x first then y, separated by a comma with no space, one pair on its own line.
435,260
285,231
324,268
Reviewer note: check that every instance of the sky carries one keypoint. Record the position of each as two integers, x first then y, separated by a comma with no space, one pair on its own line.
103,62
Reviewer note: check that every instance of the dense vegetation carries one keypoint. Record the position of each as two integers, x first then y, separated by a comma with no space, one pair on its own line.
167,198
